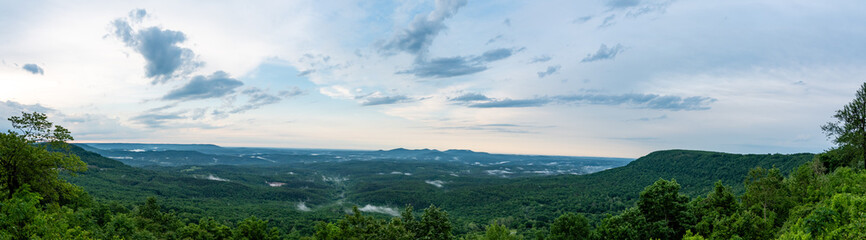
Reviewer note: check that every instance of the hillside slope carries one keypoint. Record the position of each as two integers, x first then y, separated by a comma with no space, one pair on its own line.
536,199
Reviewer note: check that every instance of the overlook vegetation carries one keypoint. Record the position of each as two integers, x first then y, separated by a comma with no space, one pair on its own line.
48,193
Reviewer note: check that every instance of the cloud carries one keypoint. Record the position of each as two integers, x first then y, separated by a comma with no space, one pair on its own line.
137,15
648,101
494,39
603,53
372,101
511,103
497,127
156,119
457,66
33,68
637,7
582,19
216,85
12,108
550,70
165,59
82,126
619,4
642,101
608,21
417,37
445,67
469,97
540,59
259,98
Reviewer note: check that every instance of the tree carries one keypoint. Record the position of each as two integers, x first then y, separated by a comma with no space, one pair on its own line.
849,129
35,155
570,226
665,209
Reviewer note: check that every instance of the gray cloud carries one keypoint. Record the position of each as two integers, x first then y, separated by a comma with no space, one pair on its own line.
457,66
648,101
156,119
603,53
643,101
497,127
165,59
417,37
470,97
445,67
216,85
617,4
540,59
137,15
496,54
550,70
372,101
83,126
608,21
259,98
33,68
512,103
638,7
582,19
494,39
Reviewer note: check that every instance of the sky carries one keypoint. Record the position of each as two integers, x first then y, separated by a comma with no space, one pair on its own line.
612,78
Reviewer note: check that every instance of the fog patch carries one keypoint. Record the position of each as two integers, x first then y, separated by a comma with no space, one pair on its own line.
215,178
401,173
303,207
437,183
498,172
382,210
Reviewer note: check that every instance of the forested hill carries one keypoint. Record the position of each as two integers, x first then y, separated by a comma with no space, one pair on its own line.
470,200
596,194
697,170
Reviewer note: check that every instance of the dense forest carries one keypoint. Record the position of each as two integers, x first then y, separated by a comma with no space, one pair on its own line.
54,190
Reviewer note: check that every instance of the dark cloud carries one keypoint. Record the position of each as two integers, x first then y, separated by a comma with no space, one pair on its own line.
550,70
457,66
648,101
540,59
372,101
159,47
603,53
33,68
470,97
216,85
512,103
417,37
